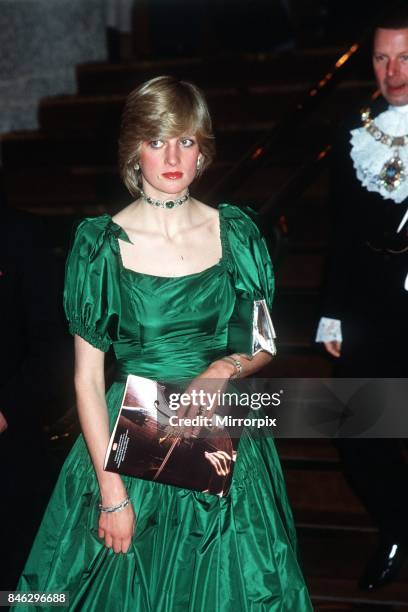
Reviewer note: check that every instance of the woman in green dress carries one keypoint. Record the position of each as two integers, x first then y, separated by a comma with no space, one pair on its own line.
159,283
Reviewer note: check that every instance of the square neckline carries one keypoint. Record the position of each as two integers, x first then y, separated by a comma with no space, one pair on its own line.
124,235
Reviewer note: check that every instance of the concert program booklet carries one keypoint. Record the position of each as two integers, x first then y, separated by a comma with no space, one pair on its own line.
144,445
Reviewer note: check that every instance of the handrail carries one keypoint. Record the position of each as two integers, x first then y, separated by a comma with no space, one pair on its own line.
257,154
275,207
299,180
281,200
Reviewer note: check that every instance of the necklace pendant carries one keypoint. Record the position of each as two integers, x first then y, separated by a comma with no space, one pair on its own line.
392,173
167,203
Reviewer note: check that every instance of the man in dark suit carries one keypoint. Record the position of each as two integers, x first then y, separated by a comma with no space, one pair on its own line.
365,323
30,351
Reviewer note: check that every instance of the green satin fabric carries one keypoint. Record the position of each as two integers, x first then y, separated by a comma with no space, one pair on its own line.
149,319
191,551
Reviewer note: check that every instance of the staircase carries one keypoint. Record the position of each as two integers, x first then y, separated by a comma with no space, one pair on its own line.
67,170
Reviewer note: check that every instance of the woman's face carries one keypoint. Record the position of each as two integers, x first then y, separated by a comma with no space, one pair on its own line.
168,166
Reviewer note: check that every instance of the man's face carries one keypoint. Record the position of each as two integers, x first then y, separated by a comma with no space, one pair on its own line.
390,61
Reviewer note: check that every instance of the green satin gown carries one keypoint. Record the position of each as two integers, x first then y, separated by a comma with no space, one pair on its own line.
191,551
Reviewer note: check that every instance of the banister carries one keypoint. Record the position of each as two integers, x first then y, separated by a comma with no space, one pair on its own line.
256,155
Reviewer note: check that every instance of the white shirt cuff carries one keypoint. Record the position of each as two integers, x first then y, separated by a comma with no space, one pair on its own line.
329,330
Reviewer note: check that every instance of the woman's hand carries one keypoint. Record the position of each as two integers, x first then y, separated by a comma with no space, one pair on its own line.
117,528
204,392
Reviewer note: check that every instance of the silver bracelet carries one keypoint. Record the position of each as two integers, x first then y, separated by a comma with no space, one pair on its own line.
236,363
117,508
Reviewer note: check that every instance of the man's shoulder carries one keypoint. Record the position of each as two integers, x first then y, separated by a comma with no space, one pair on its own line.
353,121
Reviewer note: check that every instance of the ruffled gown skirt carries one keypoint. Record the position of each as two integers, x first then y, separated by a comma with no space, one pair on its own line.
190,551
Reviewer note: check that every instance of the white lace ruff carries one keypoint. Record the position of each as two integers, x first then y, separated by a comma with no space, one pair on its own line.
369,155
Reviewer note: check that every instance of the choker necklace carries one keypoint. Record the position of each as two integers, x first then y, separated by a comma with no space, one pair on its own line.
166,203
393,171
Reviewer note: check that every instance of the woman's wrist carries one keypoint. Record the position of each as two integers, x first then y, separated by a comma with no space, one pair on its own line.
235,361
221,369
112,490
229,366
116,507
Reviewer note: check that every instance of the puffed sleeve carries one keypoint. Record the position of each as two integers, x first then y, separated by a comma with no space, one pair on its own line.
92,287
251,268
248,254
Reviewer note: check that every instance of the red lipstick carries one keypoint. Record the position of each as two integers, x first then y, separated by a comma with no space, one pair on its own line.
172,175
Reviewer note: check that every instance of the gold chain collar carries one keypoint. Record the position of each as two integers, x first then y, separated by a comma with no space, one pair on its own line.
392,173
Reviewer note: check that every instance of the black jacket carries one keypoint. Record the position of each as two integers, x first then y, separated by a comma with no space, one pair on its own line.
368,261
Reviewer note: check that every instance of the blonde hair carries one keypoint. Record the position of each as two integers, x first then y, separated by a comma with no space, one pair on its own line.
163,108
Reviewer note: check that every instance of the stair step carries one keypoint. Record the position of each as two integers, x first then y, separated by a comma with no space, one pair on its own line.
317,489
73,187
99,185
45,185
331,606
297,363
103,78
263,184
295,317
308,223
333,561
302,271
322,491
307,450
334,520
42,148
39,148
98,114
